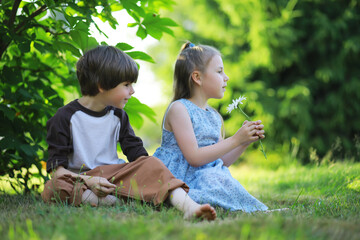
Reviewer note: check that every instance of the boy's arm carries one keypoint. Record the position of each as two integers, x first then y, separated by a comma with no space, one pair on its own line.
98,185
58,140
131,145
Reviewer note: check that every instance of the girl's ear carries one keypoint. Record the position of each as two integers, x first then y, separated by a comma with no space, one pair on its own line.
196,77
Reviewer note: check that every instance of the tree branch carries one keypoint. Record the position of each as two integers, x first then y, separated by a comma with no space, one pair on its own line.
32,16
13,13
48,30
4,45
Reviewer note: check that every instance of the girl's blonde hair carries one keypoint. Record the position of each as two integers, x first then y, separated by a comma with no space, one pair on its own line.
192,57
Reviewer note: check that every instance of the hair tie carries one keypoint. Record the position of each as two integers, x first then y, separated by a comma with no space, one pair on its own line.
191,45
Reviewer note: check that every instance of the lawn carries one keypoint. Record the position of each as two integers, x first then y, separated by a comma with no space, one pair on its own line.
324,203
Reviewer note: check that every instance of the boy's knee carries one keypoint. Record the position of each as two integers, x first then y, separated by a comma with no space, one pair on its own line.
62,189
50,191
154,162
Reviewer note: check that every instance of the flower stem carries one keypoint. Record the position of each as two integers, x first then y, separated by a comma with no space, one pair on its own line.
261,146
248,118
262,150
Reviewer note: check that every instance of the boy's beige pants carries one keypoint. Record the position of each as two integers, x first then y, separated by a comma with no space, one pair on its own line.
146,179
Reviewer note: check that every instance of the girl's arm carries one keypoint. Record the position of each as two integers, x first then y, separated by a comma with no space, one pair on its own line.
230,157
178,121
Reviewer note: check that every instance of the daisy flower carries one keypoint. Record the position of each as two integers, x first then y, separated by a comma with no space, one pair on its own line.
235,105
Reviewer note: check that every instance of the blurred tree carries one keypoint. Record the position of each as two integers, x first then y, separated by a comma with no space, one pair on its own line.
296,62
40,42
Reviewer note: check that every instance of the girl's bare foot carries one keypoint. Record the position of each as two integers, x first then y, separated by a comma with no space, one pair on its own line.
204,211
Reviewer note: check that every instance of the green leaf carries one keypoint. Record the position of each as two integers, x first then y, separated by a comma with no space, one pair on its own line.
9,142
41,15
28,150
131,5
141,32
101,32
141,56
25,94
16,157
134,108
135,119
42,35
24,46
78,37
70,19
116,7
82,39
62,46
11,76
135,16
82,26
169,22
154,32
155,26
132,24
124,46
8,112
50,3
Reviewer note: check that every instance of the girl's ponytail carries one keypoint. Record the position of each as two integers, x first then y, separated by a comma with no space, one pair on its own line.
186,45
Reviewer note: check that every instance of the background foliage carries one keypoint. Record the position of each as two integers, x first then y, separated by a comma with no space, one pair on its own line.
40,42
295,61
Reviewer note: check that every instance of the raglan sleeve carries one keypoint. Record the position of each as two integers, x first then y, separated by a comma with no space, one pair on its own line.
131,145
58,140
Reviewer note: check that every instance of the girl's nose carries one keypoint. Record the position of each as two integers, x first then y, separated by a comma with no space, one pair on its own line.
226,78
132,91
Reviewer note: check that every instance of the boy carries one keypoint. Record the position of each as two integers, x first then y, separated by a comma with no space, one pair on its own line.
82,138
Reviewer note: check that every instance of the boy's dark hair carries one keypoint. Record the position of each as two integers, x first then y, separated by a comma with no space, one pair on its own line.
104,67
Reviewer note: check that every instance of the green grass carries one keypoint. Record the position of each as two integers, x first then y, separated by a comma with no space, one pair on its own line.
324,203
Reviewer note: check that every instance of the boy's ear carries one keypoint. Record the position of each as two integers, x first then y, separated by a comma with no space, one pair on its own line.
100,89
196,77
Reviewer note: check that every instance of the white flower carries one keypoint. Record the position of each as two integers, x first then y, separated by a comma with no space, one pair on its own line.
235,103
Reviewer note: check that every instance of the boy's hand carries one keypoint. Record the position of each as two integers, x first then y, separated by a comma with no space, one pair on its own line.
100,186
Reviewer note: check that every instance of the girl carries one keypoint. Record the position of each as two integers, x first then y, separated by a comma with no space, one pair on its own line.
192,146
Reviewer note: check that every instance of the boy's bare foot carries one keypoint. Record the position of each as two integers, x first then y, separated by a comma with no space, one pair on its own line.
91,198
204,211
109,200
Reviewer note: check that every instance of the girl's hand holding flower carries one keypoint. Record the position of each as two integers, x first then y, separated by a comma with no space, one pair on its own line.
260,133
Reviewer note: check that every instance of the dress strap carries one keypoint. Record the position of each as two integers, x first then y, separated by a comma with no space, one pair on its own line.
163,122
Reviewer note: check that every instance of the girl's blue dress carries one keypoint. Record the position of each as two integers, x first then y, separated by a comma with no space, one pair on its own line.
211,183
